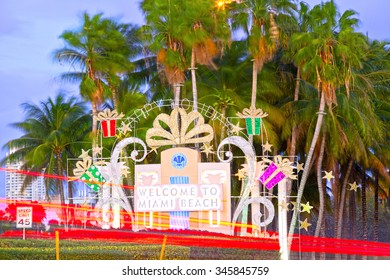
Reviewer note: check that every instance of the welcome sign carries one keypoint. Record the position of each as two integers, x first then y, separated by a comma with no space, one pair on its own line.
176,197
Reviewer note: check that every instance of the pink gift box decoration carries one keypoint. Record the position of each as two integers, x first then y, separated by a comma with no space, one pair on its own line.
270,181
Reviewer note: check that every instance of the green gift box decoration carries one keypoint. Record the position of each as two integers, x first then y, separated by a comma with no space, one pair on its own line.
93,178
253,126
252,118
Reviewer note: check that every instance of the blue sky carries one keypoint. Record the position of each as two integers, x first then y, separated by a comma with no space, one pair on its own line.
29,31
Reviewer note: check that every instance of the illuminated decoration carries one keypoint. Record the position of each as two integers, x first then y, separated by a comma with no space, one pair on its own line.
306,207
125,128
84,154
250,169
177,133
108,120
235,129
252,118
267,147
354,186
328,175
299,167
89,173
304,224
112,197
277,171
207,149
284,205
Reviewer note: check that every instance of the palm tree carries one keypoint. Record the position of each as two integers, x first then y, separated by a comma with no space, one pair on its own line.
52,132
332,51
164,21
258,19
97,53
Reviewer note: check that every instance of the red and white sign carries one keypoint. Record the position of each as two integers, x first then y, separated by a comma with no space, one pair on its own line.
23,217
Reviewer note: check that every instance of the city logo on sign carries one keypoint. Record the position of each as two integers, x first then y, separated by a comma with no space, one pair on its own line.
179,161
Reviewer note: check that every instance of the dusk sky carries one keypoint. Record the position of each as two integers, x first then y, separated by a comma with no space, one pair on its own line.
29,31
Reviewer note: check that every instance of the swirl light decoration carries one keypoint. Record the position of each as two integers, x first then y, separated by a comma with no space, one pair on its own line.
116,197
250,155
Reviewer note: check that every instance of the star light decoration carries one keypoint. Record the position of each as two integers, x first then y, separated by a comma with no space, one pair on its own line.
125,128
267,147
207,149
304,224
241,174
284,205
97,150
299,167
328,175
306,207
354,186
84,154
235,129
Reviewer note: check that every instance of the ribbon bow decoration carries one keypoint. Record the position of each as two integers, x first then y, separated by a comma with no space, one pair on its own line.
107,114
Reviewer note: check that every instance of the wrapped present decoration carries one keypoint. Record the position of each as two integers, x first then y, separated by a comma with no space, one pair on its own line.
108,120
252,118
89,173
276,171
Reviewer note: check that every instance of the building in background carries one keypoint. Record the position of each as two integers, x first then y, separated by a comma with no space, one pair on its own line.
35,191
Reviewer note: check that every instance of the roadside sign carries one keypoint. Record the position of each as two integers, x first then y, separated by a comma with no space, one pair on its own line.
23,217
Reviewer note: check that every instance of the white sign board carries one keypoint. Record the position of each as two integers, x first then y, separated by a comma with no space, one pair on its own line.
23,217
176,197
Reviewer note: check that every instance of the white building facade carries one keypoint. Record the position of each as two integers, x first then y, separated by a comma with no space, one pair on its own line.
35,191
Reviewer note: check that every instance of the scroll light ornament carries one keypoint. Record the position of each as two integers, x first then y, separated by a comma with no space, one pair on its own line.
177,133
252,118
112,172
108,120
244,201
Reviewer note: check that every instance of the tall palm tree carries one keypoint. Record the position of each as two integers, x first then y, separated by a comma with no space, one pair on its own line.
332,51
97,53
52,131
259,20
164,22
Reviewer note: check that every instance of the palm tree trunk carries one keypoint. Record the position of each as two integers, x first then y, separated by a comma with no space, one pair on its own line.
94,128
364,209
342,200
293,145
342,203
176,94
321,192
60,186
352,217
376,207
306,169
193,79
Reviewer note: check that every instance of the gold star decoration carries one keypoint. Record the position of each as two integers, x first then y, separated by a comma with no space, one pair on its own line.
240,174
153,149
354,186
306,207
97,150
84,154
125,171
125,128
299,166
235,129
267,147
304,224
284,205
207,149
328,175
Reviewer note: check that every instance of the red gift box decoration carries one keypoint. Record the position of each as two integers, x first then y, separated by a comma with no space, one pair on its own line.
109,128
